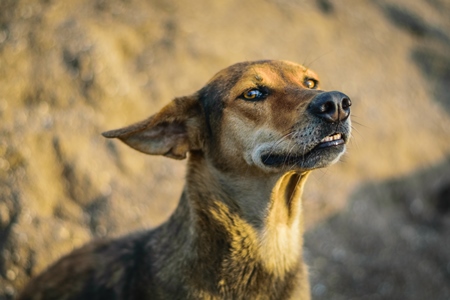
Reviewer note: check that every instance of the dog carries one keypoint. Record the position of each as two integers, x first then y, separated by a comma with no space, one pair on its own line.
252,135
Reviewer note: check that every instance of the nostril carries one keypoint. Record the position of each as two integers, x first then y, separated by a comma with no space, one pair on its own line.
327,107
346,103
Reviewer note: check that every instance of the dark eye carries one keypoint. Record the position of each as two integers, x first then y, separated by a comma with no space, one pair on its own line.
311,83
255,94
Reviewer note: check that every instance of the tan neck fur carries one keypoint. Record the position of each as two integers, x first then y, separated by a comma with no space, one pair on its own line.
261,214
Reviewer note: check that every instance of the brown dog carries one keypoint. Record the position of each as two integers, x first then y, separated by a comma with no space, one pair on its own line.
253,134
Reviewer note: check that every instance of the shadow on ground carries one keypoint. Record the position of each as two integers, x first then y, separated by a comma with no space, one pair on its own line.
432,56
391,242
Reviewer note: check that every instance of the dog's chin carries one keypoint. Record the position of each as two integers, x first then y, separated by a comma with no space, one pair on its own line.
320,156
316,158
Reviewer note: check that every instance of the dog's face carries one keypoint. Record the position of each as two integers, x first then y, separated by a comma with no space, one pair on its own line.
268,116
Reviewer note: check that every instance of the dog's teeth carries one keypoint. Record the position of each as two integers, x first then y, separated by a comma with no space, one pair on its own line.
332,138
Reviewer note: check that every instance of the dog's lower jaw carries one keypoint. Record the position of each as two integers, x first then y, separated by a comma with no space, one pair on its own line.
275,163
248,249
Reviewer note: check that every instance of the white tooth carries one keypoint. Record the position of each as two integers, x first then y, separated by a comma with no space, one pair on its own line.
337,136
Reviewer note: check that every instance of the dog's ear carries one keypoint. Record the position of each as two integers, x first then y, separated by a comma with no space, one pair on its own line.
172,132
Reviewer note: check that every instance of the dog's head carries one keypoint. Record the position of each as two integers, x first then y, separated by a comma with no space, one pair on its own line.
265,116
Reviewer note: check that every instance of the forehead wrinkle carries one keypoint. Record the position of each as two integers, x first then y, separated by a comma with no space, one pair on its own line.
265,75
256,77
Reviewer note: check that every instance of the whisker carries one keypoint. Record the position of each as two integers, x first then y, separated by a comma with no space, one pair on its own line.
307,65
279,141
354,129
303,157
289,154
359,124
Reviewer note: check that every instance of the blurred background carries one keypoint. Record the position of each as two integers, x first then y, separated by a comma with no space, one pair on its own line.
378,222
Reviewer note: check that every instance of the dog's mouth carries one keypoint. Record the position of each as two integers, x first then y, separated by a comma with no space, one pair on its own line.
331,141
331,145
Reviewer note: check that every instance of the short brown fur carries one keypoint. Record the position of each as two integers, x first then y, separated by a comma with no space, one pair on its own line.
237,231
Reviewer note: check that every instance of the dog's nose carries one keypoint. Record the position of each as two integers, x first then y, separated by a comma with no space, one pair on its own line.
331,106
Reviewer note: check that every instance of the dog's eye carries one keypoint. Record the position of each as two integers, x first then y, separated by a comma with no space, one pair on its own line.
254,94
311,83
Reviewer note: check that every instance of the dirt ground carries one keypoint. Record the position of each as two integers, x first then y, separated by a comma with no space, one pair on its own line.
378,223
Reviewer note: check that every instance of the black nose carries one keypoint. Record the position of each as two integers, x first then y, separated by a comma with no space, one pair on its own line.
331,106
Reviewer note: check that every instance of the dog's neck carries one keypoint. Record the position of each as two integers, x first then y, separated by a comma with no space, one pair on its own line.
266,209
259,199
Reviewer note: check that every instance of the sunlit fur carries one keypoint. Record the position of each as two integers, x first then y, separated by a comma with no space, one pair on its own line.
237,230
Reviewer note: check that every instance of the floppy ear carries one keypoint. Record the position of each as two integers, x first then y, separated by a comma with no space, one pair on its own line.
172,132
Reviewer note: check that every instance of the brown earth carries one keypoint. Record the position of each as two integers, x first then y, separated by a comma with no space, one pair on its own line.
378,222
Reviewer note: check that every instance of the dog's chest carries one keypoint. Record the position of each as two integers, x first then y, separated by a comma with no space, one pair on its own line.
259,264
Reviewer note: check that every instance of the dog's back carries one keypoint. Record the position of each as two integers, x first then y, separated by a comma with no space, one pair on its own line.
100,270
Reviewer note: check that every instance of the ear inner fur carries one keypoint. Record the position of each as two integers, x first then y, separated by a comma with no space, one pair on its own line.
172,132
